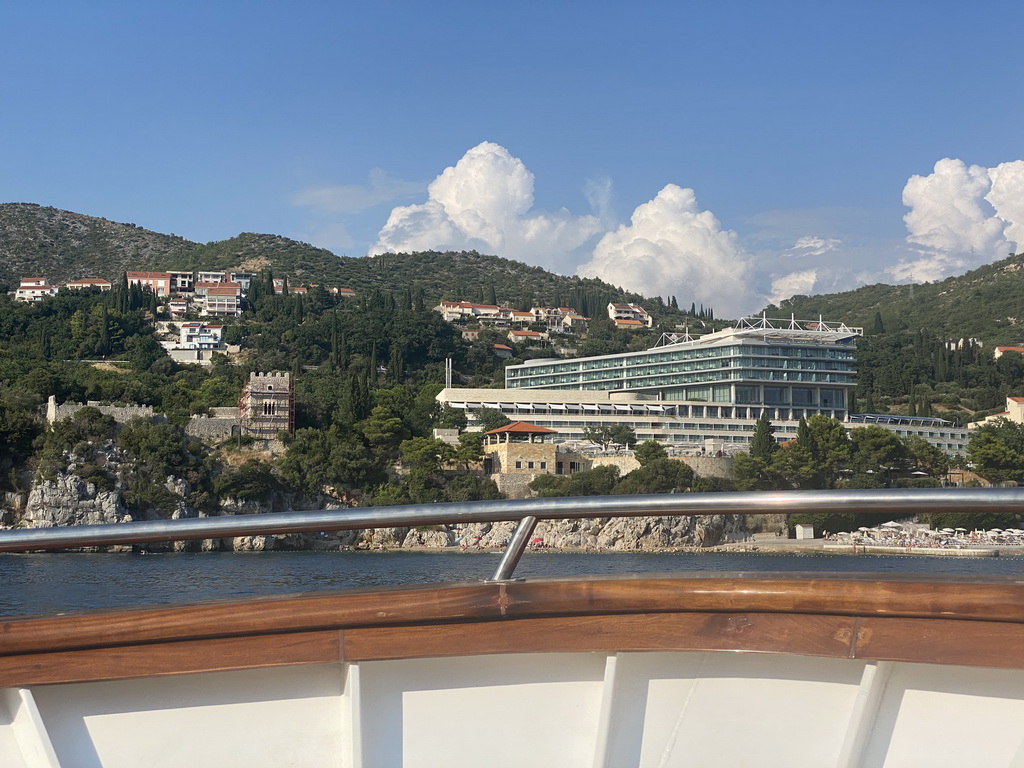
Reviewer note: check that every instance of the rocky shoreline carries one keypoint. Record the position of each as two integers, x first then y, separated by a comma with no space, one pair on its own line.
67,500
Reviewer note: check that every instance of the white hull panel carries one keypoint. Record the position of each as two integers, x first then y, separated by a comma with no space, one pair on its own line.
565,710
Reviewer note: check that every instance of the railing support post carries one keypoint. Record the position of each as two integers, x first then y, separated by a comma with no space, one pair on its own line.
514,550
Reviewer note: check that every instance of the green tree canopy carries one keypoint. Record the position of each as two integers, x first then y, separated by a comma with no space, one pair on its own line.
648,451
491,418
657,476
996,451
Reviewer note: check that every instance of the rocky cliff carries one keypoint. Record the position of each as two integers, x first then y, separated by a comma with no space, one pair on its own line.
68,500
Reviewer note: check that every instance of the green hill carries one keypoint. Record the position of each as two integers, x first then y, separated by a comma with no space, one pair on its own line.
38,241
986,303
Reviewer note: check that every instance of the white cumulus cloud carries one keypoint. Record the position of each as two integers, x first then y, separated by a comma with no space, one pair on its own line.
485,202
960,217
793,284
672,248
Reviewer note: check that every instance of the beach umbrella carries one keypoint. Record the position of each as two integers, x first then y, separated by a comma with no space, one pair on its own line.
948,530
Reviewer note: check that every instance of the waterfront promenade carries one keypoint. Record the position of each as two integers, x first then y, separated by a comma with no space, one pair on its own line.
859,544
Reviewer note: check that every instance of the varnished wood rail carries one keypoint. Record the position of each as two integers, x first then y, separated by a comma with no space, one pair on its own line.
972,622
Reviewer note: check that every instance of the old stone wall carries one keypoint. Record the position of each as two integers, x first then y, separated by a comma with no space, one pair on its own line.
710,466
626,464
516,486
212,428
121,413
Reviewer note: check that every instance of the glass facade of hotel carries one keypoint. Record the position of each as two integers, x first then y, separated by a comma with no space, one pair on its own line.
702,394
798,371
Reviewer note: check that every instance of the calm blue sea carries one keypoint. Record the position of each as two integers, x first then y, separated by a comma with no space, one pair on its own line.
36,584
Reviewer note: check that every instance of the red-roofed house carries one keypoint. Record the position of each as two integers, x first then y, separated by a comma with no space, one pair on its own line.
617,312
219,299
517,453
34,289
89,282
1000,351
159,283
520,337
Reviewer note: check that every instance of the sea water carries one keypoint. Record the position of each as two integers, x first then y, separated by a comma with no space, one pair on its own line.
48,583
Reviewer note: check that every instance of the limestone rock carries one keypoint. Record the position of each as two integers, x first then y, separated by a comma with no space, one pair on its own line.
68,500
435,537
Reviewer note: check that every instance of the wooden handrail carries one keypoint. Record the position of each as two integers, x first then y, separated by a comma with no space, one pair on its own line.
971,622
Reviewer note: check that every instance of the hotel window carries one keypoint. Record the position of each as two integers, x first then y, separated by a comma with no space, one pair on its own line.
747,395
519,465
803,396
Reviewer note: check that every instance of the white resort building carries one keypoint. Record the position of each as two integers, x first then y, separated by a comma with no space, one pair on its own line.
700,394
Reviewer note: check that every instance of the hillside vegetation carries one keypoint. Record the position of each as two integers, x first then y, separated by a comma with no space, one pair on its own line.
986,303
37,241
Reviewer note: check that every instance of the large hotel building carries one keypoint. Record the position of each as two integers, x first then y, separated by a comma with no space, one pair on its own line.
704,393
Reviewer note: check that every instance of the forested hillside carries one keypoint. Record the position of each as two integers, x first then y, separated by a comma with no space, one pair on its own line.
986,303
37,241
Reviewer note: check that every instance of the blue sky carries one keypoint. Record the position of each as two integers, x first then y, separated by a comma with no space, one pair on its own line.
723,152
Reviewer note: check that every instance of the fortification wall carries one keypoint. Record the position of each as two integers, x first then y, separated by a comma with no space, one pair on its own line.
211,427
120,413
710,466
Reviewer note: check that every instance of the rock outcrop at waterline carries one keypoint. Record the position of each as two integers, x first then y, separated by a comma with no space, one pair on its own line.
68,500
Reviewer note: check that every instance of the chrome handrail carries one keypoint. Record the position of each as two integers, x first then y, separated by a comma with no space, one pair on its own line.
896,501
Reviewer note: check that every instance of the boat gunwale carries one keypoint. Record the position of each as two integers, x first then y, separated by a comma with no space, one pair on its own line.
975,623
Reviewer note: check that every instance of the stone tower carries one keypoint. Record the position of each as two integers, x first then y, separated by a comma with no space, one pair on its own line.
267,405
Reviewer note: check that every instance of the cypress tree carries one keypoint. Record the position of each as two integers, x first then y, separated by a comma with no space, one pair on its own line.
334,339
104,349
763,444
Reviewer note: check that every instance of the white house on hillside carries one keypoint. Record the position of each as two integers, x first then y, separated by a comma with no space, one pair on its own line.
629,316
34,289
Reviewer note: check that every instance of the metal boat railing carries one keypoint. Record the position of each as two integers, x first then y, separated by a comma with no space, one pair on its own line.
902,502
